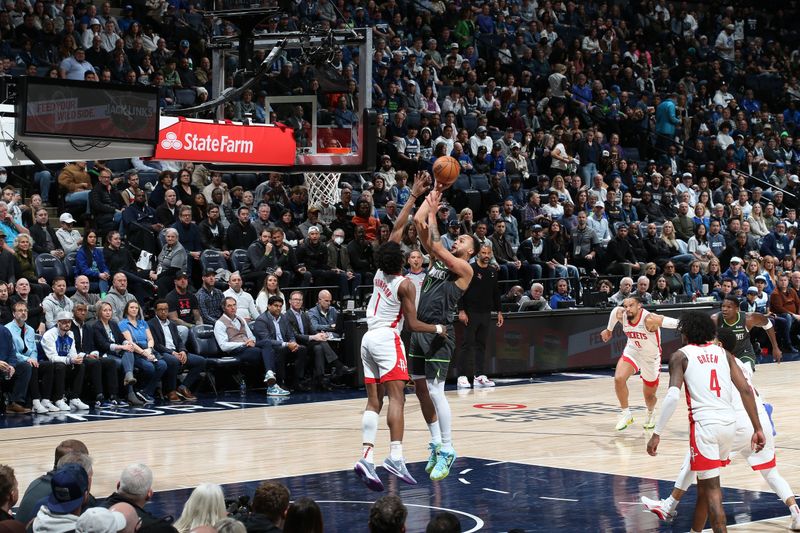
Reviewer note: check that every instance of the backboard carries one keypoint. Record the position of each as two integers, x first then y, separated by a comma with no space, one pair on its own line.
327,138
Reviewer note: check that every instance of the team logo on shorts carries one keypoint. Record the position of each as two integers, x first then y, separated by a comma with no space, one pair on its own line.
401,364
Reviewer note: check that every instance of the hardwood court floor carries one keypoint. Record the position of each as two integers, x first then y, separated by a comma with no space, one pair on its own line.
563,424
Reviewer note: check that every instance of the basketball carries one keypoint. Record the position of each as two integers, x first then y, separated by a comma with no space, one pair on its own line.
446,170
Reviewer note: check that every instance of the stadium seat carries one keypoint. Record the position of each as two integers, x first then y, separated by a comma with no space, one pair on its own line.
480,182
471,123
202,342
49,267
462,183
413,119
185,97
238,258
213,259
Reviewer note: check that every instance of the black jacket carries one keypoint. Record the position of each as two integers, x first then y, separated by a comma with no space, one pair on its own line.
103,204
147,518
239,236
84,337
100,339
620,250
160,341
117,260
257,261
307,327
259,523
207,237
40,239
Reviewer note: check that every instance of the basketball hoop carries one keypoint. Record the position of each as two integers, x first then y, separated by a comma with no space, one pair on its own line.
322,186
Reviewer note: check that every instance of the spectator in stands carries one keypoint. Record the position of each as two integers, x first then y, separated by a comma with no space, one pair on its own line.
22,293
620,255
76,184
13,367
275,335
360,252
171,260
109,342
785,303
245,305
151,368
89,262
44,237
210,298
26,351
235,338
324,316
269,289
737,274
69,239
387,515
642,288
270,505
183,306
75,67
70,496
313,255
625,288
315,342
135,487
241,232
140,224
56,302
167,213
169,347
561,294
58,345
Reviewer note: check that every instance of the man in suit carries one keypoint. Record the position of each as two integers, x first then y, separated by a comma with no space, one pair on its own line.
234,337
272,330
169,346
98,369
316,342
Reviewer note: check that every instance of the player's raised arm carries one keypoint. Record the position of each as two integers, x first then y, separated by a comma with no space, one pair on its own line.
677,366
748,401
759,320
421,182
455,265
613,317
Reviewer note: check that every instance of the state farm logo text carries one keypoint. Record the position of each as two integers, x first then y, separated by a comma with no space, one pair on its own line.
207,143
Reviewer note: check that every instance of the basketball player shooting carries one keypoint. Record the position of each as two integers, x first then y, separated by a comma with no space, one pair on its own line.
383,355
763,462
448,277
710,373
642,354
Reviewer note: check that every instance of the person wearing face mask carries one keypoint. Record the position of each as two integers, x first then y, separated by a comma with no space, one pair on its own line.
339,261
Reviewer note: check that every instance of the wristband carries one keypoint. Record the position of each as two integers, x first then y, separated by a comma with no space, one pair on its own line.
439,329
768,325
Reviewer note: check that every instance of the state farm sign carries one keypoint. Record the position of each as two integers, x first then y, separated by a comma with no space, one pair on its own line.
210,142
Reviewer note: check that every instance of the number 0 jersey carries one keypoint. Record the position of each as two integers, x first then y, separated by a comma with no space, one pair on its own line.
641,343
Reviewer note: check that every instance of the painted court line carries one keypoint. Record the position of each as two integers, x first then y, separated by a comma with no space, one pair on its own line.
464,481
495,490
465,471
495,463
557,499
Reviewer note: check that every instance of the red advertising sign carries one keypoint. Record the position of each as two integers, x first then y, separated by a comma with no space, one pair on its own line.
210,142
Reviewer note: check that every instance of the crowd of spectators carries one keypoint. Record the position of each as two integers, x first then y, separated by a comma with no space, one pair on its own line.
61,501
602,145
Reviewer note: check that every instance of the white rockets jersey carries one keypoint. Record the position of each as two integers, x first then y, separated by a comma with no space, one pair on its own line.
709,389
384,309
738,406
640,341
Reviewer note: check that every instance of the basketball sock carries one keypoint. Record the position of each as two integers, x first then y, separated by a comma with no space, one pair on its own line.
777,483
369,430
795,510
670,503
436,433
436,391
396,450
368,453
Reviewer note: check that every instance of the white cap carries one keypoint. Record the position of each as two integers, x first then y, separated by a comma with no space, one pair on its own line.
63,315
100,520
736,259
794,178
94,22
67,218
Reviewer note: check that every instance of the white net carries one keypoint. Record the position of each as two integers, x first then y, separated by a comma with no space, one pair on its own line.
322,186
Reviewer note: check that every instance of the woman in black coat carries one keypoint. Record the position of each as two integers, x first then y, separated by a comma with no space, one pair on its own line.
108,341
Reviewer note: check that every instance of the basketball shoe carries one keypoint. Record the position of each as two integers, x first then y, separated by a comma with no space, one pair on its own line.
659,508
625,419
398,468
483,382
443,463
650,421
463,383
434,455
366,472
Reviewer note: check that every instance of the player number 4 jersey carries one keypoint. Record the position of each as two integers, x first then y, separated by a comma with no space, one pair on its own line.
384,309
709,389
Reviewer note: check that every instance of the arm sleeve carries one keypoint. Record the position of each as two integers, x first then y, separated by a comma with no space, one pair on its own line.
669,323
667,409
612,319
